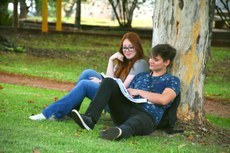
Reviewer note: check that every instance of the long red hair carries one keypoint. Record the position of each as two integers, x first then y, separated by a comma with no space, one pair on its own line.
123,68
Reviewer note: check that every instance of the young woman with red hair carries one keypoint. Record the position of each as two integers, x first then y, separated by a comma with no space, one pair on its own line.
124,64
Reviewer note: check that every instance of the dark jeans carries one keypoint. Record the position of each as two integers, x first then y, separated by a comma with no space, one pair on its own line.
130,117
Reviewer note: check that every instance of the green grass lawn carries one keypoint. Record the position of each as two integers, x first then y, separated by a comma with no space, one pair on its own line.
19,134
64,58
217,82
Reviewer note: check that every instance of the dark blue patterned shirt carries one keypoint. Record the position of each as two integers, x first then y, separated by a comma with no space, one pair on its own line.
156,84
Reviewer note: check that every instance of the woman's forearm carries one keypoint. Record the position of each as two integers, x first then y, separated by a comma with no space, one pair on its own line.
109,71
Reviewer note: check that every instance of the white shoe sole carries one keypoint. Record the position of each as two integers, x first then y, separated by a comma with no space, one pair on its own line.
36,119
111,133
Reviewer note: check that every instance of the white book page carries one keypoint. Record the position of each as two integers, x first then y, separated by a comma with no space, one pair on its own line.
125,91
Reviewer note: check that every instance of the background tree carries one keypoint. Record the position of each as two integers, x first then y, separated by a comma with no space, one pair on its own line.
15,15
68,7
24,9
38,7
123,10
186,25
222,8
5,17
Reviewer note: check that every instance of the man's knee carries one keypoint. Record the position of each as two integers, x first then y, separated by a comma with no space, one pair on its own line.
109,81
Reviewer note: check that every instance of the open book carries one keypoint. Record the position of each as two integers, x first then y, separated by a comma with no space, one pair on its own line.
125,92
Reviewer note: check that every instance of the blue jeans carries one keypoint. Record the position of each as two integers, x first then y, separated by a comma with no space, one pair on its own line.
83,88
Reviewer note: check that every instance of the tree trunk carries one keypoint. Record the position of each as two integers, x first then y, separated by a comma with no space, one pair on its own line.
24,9
15,15
78,14
186,25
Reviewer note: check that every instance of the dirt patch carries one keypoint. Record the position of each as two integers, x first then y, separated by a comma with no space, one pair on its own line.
216,107
35,81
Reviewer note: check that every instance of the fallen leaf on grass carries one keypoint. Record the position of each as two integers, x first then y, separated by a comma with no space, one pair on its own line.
77,134
190,138
181,146
35,150
45,105
30,101
55,98
134,142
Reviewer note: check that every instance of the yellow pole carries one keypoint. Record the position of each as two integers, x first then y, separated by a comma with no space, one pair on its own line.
58,10
44,16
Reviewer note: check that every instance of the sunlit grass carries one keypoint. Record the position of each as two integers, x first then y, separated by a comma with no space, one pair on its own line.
217,82
136,23
56,68
69,43
222,122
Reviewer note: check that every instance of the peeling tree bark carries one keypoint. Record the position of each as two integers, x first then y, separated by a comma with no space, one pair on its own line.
186,25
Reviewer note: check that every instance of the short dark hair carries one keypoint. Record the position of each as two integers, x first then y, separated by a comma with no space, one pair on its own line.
166,51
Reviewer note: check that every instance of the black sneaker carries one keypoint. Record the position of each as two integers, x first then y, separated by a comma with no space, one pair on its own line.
83,121
111,134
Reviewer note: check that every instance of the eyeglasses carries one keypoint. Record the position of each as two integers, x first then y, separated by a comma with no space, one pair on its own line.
127,48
